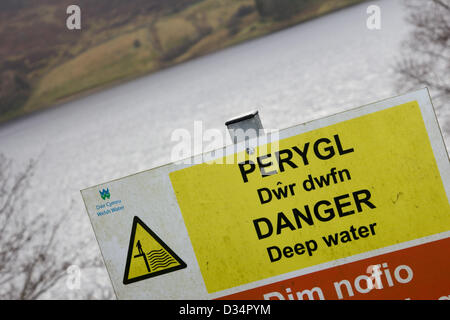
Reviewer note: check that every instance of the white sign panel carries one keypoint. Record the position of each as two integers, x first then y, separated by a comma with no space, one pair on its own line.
352,206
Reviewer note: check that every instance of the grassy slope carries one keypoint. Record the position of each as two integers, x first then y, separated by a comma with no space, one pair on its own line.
105,55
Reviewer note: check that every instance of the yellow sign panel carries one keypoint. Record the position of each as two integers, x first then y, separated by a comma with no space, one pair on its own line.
341,190
148,256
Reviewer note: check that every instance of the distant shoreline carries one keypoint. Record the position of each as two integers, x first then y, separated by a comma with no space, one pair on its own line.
267,27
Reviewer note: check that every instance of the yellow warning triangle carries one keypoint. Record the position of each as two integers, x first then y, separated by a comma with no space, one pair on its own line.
148,256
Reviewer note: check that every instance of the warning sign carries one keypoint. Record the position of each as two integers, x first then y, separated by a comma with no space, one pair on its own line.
334,192
148,256
351,206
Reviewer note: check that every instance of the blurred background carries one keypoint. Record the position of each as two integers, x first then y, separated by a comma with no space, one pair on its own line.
85,105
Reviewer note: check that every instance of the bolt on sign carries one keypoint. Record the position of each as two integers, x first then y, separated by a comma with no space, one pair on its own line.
352,206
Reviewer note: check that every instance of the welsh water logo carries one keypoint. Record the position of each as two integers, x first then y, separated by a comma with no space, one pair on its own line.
108,207
105,194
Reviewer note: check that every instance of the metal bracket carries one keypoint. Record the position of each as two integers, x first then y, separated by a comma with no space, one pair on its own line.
245,127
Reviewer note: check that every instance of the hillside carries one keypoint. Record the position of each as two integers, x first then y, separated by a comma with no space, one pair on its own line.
43,63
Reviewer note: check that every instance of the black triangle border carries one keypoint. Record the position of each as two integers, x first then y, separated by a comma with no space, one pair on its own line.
126,281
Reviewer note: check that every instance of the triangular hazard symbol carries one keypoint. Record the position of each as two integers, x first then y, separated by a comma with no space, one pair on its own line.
148,256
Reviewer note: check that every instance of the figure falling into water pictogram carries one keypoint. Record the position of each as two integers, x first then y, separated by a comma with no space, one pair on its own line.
148,256
142,254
